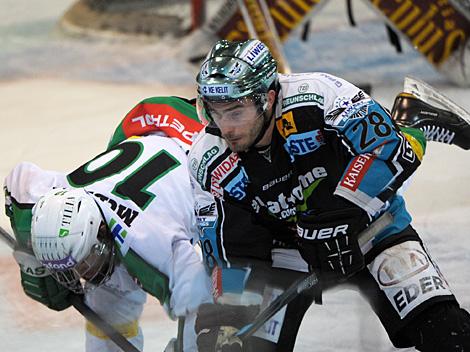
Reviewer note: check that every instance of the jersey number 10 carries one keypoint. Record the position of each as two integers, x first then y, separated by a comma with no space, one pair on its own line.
118,159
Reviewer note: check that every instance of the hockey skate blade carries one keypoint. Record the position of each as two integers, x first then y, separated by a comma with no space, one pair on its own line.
432,96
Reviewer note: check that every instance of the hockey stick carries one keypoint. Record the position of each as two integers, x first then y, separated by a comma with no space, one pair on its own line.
365,238
9,240
79,304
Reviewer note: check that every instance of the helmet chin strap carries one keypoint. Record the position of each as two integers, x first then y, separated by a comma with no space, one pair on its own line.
267,120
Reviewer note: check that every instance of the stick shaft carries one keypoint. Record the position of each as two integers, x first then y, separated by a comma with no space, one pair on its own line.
7,238
90,315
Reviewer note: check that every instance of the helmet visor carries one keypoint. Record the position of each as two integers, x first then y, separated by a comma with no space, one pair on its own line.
97,266
232,112
94,269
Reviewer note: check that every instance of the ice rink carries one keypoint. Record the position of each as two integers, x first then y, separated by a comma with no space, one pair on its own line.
61,98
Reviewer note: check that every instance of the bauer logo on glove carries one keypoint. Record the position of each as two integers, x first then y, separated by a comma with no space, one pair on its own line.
322,233
328,241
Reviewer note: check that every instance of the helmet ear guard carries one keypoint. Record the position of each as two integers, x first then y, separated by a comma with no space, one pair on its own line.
67,238
201,110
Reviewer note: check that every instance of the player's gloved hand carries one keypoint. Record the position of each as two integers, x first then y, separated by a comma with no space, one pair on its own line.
216,323
39,284
328,241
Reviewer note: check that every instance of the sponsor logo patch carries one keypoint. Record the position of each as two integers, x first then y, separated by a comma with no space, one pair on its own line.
236,188
163,121
407,276
303,88
409,293
306,98
352,111
253,53
216,90
206,221
341,102
60,264
204,70
236,70
63,232
206,210
286,124
284,207
304,143
221,171
206,157
194,164
407,151
118,232
356,171
396,269
272,328
225,167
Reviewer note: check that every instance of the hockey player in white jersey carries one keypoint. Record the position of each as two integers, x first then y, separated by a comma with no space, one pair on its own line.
116,227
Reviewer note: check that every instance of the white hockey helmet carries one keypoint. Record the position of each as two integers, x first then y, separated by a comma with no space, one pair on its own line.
71,239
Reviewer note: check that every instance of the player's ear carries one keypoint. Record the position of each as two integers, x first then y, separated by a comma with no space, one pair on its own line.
271,98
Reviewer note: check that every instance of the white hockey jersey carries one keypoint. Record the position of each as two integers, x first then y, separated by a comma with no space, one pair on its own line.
142,187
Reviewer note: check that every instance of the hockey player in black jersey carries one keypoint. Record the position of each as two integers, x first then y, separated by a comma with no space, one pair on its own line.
316,160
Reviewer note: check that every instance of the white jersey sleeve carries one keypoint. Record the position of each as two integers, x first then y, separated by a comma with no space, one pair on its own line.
26,183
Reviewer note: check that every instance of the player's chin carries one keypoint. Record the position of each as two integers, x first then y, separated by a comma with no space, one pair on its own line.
237,145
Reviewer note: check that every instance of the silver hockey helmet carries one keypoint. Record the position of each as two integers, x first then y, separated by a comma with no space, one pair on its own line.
235,71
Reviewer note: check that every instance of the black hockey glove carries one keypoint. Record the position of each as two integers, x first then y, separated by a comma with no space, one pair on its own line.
216,323
328,241
39,284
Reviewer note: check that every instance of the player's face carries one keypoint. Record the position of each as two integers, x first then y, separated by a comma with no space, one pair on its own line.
239,122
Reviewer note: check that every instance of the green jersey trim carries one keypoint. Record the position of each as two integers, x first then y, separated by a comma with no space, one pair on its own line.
149,278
